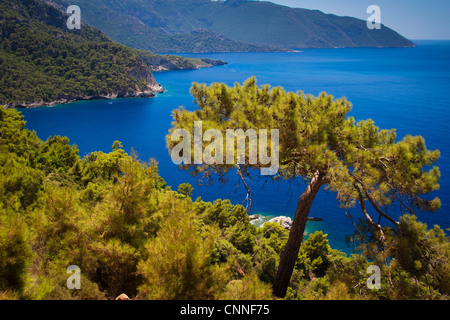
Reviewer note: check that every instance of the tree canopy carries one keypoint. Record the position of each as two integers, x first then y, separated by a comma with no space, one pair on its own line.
113,216
320,143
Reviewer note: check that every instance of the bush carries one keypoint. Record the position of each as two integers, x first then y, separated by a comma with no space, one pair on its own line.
15,252
248,288
179,264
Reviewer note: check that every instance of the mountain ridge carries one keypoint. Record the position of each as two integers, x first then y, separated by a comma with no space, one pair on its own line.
166,26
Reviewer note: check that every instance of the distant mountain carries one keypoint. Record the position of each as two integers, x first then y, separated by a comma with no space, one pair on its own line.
233,25
42,62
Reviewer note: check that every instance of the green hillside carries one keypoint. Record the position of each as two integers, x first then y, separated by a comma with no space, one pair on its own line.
233,25
42,62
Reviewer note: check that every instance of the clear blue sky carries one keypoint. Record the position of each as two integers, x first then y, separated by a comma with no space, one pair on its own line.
414,19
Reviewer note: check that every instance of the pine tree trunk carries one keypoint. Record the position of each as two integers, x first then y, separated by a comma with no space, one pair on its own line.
290,253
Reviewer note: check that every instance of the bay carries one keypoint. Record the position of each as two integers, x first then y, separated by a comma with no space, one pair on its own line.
402,88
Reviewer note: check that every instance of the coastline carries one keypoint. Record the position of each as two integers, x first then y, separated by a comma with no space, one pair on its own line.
152,89
149,93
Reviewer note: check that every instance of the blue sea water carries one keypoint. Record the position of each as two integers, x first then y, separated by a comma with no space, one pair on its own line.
402,88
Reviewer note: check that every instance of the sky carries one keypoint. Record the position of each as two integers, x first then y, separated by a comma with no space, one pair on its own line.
414,19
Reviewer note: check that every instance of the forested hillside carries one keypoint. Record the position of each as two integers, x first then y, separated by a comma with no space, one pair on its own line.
42,62
129,232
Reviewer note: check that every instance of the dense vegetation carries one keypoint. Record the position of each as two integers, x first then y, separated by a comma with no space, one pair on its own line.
232,25
42,61
319,143
129,232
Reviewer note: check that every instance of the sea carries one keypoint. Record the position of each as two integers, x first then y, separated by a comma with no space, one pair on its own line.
403,88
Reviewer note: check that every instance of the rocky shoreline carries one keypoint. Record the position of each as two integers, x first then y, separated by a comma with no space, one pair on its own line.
140,74
148,93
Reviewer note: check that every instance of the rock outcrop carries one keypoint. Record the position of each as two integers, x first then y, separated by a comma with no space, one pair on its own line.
284,221
123,296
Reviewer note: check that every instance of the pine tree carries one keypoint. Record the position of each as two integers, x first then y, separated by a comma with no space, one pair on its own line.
322,145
